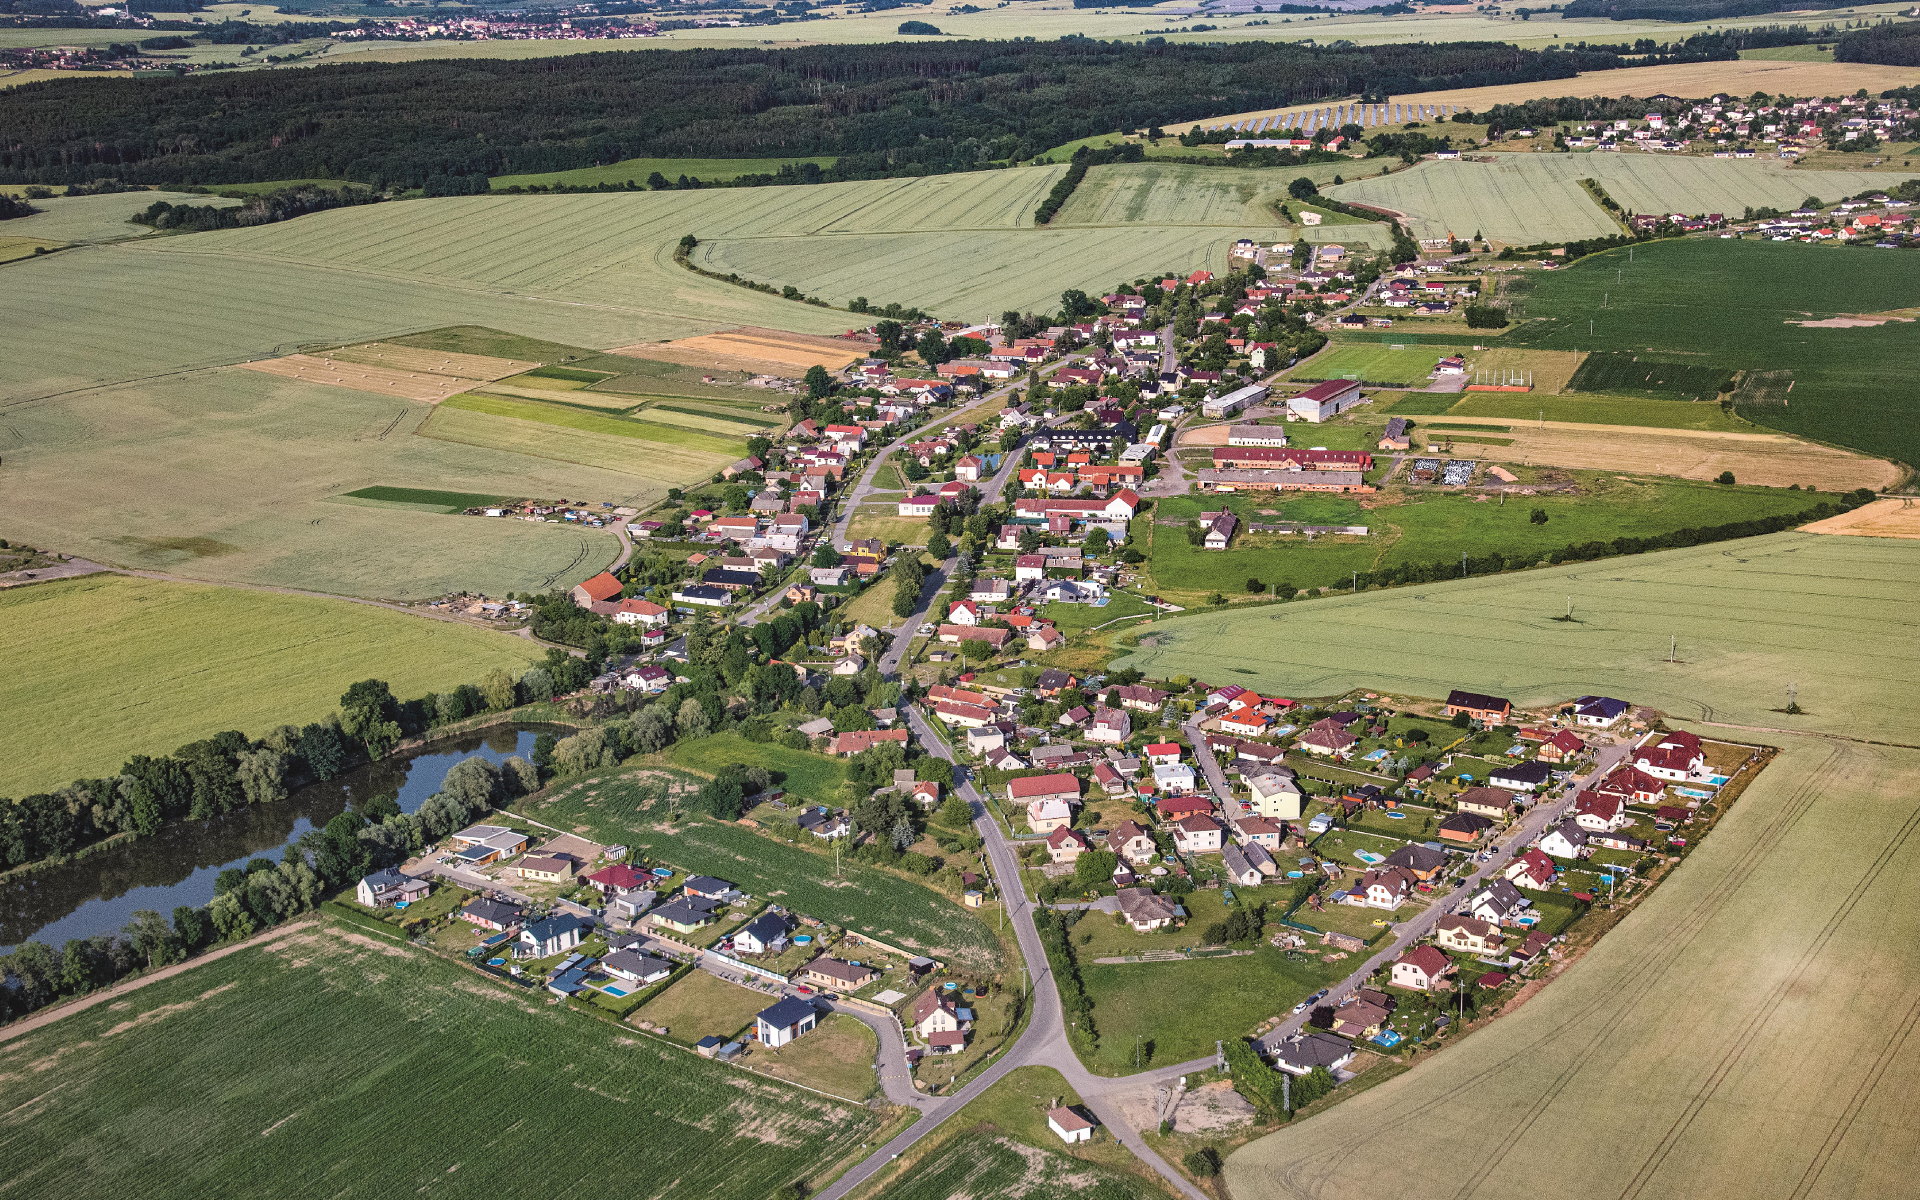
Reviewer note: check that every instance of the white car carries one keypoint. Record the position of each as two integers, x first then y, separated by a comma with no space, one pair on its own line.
926,629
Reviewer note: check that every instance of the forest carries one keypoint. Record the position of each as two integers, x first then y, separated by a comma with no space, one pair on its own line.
899,109
1890,45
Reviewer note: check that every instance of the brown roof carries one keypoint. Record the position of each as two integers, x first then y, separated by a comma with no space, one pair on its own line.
1068,1119
839,972
1043,785
602,587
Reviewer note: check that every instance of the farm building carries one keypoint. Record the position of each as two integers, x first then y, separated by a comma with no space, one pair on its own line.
1325,400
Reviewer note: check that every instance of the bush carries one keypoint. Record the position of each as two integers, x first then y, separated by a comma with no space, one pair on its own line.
1203,1163
1725,477
919,28
1486,316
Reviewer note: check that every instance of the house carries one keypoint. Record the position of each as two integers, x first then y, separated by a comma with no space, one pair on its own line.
547,869
1050,813
787,1020
635,967
1174,779
1217,529
490,914
995,637
1325,400
601,589
1110,780
1110,726
1146,911
706,887
1563,746
1261,831
1301,1053
1197,834
1132,843
383,889
1384,887
1487,802
1496,903
1617,841
1067,845
620,879
1064,788
543,939
684,914
1632,785
1469,935
1363,1015
1239,869
1521,776
1565,840
703,594
1142,698
507,841
1677,755
765,934
632,905
985,738
1598,813
1029,567
1395,436
1068,1125
1163,753
1422,862
644,613
1491,709
832,973
932,1014
1172,808
1420,968
1328,743
1464,827
1532,870
1276,796
849,744
1599,712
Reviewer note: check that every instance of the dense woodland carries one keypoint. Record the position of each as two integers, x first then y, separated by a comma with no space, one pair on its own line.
1683,10
1892,45
898,109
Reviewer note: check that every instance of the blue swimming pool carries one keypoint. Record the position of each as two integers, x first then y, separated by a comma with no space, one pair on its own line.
1718,780
1375,756
1694,793
496,962
614,991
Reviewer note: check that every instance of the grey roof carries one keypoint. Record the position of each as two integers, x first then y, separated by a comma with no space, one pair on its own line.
645,966
1305,1051
1417,858
680,912
767,927
552,927
707,883
790,1011
493,910
1502,893
1236,861
1533,773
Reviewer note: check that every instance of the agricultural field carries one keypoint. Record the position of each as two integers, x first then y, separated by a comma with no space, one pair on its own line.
173,470
1794,1081
1575,410
1764,459
1745,618
82,219
218,1098
1528,198
108,666
631,808
626,375
1846,383
636,170
1426,527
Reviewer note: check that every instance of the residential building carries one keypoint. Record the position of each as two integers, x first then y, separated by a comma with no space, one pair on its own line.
384,889
684,914
829,972
1065,788
1496,903
1301,1053
1521,776
1420,968
1110,726
765,934
1049,813
1422,862
1067,845
1132,843
491,914
1197,834
1677,756
1384,887
1632,785
1565,840
1174,779
1239,869
1469,935
1464,827
547,869
1172,808
706,887
1261,831
1364,1014
555,935
1534,869
1487,802
1146,911
791,1017
601,589
1491,709
1599,712
1597,813
635,967
1276,796
1217,529
620,879
1564,746
849,744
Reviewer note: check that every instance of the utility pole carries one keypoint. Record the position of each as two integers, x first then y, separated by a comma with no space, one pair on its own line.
1569,608
1463,564
1672,643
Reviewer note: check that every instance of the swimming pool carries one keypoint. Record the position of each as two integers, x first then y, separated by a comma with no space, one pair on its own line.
1694,793
1718,780
614,991
1369,857
496,962
1396,816
1376,756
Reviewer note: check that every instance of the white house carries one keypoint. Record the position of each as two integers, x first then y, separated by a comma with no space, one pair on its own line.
383,889
1239,869
1173,779
1276,797
1197,834
1601,814
1565,840
785,1021
1496,903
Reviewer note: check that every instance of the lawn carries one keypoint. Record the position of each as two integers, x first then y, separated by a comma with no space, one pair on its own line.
802,772
1845,380
1829,613
109,666
628,808
885,522
1073,618
1429,527
699,1004
1180,1009
1381,364
837,1058
217,1098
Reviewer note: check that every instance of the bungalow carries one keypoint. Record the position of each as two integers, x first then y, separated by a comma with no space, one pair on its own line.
1632,785
1217,529
1141,698
1490,709
684,914
704,595
1534,869
1172,808
990,591
1146,911
1197,834
1677,755
1363,1015
543,939
967,716
1395,436
1067,845
996,637
1068,1125
547,869
1496,903
620,879
791,1017
1464,827
1132,843
1521,776
1422,862
1111,781
918,506
383,889
1596,813
1301,1053
1421,968
830,972
1562,747
849,744
1487,802
1599,712
1469,935
1565,840
1328,743
1617,841
635,967
491,914
1239,869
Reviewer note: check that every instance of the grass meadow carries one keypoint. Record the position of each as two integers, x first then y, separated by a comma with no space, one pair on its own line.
306,1059
1746,618
1376,363
1528,198
108,666
1849,384
807,775
638,169
1438,527
627,808
1755,998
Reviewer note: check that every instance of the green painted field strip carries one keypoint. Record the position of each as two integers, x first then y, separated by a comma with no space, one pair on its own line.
427,497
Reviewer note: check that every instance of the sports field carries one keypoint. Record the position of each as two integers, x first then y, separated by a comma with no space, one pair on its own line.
200,1093
1751,1022
1387,363
1732,305
1528,198
1828,614
109,666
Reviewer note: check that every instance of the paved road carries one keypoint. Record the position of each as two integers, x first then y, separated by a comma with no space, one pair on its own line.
1405,935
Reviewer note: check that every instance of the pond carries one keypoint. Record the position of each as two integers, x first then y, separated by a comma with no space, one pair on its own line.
178,865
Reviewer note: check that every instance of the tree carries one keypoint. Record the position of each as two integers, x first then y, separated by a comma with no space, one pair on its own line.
819,383
938,547
692,719
1097,542
933,347
1538,516
1094,867
151,936
1302,187
889,334
1075,303
498,688
368,714
1203,1163
1725,477
1486,316
263,775
826,557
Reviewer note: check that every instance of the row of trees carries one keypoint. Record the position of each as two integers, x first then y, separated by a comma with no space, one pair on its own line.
281,205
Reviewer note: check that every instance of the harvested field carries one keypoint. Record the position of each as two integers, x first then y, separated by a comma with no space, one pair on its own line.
407,383
747,349
650,466
1772,460
1644,1066
1883,518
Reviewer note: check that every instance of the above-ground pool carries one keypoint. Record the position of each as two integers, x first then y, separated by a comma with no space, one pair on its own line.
803,939
662,873
1375,756
1396,815
614,991
1295,874
1369,857
496,962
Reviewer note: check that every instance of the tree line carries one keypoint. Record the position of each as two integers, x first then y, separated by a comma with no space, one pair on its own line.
905,108
281,205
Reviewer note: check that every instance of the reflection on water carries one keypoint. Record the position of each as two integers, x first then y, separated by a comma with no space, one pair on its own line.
179,864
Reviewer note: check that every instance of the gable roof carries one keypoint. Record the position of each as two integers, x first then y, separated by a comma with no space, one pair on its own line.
1428,959
1459,699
